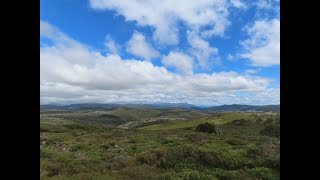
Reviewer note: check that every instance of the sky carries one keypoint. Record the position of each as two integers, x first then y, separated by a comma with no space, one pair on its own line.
206,52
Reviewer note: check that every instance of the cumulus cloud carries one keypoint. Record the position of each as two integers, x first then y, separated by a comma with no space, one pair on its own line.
71,72
263,46
201,49
180,61
163,16
138,46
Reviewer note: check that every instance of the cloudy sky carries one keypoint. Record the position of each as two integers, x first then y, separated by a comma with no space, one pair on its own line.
205,52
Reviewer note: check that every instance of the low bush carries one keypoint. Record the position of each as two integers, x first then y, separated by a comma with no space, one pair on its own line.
198,137
206,127
234,141
271,130
241,122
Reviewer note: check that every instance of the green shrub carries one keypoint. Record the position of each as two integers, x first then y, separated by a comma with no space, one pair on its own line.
143,172
259,120
198,137
241,122
206,127
53,168
269,121
191,157
262,173
271,130
133,149
272,162
77,126
234,141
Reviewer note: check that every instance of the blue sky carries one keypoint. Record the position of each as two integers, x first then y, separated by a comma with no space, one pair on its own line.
206,52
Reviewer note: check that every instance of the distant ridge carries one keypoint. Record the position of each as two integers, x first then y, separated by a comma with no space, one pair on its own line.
111,105
222,108
238,107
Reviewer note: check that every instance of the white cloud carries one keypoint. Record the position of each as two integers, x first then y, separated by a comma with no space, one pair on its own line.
71,72
111,45
267,8
263,46
166,14
230,57
180,61
252,71
138,46
201,49
52,33
238,4
264,4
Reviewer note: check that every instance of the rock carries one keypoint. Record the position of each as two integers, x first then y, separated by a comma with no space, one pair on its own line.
118,158
117,163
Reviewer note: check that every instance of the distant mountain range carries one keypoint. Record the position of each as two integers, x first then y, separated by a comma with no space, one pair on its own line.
238,107
222,108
